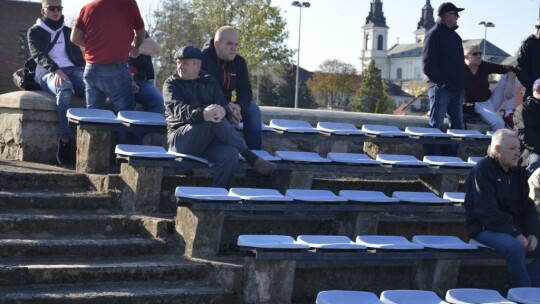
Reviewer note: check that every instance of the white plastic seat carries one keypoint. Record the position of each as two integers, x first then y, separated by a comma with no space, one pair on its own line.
455,197
383,130
298,156
205,194
387,242
367,196
410,297
264,127
426,132
467,134
142,118
269,242
475,295
309,195
143,151
93,116
446,161
329,242
524,295
446,242
400,160
191,157
346,297
352,158
419,197
293,126
338,128
256,194
262,154
474,159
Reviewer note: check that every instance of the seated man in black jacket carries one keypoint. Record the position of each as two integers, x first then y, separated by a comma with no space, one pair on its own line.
499,212
198,120
222,62
527,125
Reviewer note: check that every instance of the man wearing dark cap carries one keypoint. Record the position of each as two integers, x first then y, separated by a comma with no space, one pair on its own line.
527,125
198,120
443,64
528,59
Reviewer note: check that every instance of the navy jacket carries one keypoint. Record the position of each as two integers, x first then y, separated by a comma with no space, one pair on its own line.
231,75
527,125
443,59
528,68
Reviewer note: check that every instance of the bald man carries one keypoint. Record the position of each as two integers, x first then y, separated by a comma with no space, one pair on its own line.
222,62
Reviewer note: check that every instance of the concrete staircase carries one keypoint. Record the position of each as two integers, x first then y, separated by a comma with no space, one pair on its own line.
62,240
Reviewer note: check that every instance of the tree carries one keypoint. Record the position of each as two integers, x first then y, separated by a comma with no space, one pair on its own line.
371,97
334,84
416,88
284,90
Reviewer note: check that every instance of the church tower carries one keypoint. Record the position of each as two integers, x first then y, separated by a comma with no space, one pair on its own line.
374,44
425,24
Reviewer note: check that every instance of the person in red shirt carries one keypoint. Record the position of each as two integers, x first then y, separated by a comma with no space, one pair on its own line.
109,30
487,102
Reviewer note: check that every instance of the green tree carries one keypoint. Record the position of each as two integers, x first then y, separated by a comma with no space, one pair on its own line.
371,97
335,84
285,89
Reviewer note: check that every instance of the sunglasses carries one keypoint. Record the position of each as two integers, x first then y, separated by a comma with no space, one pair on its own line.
537,27
54,8
476,53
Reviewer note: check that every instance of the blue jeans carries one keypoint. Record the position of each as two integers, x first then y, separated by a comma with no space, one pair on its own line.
443,102
533,163
520,274
111,81
152,101
251,117
64,94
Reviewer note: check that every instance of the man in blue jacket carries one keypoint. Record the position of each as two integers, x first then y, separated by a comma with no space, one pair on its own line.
443,63
222,62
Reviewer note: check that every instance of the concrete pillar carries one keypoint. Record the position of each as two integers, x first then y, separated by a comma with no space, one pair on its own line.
141,189
440,183
268,281
93,150
288,179
353,224
200,230
436,275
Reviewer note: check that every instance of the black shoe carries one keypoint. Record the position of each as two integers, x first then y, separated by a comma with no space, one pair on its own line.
62,153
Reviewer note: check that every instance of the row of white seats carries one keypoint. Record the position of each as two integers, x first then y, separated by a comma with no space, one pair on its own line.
362,242
310,195
284,125
159,152
523,295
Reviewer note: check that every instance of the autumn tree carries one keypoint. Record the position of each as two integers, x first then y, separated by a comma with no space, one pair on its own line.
372,97
416,88
334,84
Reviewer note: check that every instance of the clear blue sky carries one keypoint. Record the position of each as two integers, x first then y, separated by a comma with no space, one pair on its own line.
332,29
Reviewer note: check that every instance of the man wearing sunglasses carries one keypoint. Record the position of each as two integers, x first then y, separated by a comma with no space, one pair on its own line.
442,59
59,68
487,102
528,59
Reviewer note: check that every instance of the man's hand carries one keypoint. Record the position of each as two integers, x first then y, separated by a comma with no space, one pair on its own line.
134,52
214,113
236,117
59,78
523,240
532,243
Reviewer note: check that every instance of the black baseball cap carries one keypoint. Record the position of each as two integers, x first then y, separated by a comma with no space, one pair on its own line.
446,7
188,52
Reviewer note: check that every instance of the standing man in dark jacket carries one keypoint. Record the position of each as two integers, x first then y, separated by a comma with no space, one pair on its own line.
222,62
527,125
59,68
499,212
528,59
198,120
442,59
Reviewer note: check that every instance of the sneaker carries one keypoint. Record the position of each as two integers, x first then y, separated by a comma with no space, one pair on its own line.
263,166
62,153
509,120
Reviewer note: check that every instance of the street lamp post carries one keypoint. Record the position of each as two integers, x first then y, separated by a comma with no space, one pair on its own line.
300,5
259,43
486,25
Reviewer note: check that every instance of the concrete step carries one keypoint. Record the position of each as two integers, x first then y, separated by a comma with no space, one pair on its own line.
76,246
53,200
30,223
166,268
24,175
116,293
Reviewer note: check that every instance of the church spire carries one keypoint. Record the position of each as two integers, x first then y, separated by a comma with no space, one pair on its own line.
376,15
426,20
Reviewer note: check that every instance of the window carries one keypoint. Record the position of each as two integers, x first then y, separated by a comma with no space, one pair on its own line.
380,42
366,42
399,73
